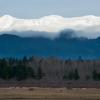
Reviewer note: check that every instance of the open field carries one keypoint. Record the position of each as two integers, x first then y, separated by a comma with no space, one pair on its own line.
49,94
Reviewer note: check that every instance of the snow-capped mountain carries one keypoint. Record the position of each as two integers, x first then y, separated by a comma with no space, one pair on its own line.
86,26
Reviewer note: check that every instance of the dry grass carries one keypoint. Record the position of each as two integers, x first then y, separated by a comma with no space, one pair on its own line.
48,94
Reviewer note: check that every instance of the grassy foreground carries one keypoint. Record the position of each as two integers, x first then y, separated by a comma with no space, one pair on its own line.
49,94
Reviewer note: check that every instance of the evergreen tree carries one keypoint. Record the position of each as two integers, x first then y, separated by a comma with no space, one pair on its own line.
95,75
21,72
71,75
5,70
68,75
31,73
76,75
24,60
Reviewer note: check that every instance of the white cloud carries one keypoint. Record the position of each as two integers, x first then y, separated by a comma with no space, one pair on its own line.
87,26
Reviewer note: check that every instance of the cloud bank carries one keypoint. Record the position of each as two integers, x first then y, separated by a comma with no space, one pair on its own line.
50,26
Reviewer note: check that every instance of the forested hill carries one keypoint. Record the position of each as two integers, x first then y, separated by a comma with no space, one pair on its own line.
61,47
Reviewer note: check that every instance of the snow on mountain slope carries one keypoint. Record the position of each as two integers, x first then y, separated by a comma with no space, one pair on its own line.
87,26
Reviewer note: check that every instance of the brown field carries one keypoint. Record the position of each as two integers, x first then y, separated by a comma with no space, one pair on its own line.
49,93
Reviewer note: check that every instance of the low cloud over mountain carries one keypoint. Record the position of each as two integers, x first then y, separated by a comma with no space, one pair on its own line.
51,26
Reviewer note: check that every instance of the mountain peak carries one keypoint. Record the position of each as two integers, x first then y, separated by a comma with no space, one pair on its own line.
7,35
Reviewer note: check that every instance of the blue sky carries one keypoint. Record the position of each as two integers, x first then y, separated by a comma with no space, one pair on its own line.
39,8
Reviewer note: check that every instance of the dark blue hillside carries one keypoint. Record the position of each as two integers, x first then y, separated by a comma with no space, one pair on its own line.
14,46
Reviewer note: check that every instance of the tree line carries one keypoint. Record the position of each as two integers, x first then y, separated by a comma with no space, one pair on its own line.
17,69
22,69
